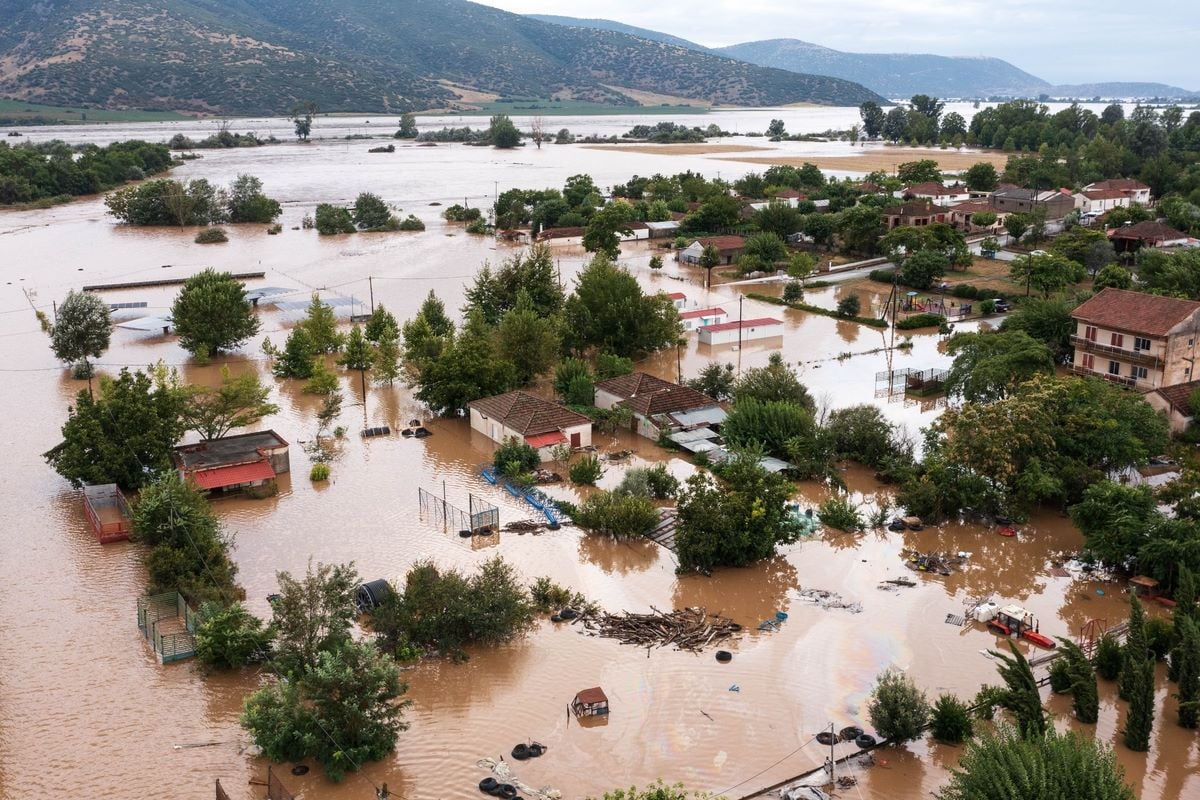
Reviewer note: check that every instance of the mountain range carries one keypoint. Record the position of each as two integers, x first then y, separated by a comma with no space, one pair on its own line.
265,56
896,75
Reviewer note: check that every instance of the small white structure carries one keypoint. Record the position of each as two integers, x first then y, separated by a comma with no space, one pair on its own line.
700,317
749,330
537,422
678,299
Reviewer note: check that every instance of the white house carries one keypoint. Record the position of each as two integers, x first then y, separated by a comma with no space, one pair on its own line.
537,422
1135,190
678,299
1098,201
749,329
936,193
700,317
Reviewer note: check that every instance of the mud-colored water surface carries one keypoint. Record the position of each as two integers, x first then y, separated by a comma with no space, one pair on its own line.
86,709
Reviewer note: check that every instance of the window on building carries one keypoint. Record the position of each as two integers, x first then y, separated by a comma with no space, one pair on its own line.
1117,340
1089,333
1089,361
1114,368
1137,373
1141,343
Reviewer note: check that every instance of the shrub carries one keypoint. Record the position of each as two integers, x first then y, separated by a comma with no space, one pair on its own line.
319,472
655,482
1060,676
459,213
897,708
1159,633
849,306
882,275
567,371
586,471
793,292
987,307
411,223
951,721
920,321
839,513
230,637
656,262
609,365
967,290
620,515
548,595
211,236
514,457
275,230
580,392
331,220
1108,658
478,227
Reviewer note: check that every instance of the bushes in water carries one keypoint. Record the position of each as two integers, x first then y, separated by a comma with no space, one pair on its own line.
229,637
897,708
920,321
619,515
951,721
514,458
1108,658
839,513
410,223
211,236
586,471
443,611
331,220
319,472
655,482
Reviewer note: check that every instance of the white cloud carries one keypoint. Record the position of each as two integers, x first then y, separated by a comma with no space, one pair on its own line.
1071,42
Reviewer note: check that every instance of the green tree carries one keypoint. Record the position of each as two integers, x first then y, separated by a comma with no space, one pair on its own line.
230,637
340,711
123,435
735,523
619,515
298,355
859,228
320,322
982,177
1113,518
386,366
371,213
898,710
322,381
873,118
925,170
1017,224
778,218
715,380
408,127
240,401
1185,606
468,368
1140,721
606,226
767,246
514,458
495,292
921,269
332,220
212,315
1089,249
1047,273
710,258
849,306
771,425
312,614
502,133
1021,696
862,433
247,203
895,124
1083,681
301,116
381,325
775,382
609,311
1114,276
1108,658
776,129
1006,765
1186,660
586,471
988,365
951,720
1048,321
358,355
1135,651
655,791
81,329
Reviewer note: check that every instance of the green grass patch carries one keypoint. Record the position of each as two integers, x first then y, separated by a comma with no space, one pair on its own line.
19,112
825,312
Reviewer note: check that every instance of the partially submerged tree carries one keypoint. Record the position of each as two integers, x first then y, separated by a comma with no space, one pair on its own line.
212,315
240,401
82,329
313,613
898,709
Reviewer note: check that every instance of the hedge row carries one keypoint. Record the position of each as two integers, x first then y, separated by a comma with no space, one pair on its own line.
920,321
825,312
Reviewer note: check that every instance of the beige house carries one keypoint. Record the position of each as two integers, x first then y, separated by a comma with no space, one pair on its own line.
1135,190
526,418
1138,340
1176,402
657,404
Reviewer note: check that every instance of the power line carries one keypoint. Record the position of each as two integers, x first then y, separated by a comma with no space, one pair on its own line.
768,769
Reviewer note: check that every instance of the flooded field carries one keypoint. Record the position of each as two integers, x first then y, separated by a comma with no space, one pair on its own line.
87,710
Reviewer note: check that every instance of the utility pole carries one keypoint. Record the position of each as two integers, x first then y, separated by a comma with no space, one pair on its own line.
832,759
741,297
371,284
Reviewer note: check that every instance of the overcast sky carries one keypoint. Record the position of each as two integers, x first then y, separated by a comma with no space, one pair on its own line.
1079,41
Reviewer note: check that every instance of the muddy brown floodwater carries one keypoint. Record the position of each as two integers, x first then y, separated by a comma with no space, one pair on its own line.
87,712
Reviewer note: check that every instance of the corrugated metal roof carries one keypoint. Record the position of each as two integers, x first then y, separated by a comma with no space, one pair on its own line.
712,415
697,435
223,477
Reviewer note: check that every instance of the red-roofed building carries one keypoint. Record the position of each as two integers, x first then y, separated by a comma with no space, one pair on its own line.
1098,201
1135,190
728,248
700,317
962,216
530,419
1176,402
936,193
915,213
1139,340
750,330
233,463
655,402
678,299
1145,234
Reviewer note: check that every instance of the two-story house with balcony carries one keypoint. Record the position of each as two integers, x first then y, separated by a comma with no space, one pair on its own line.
1138,340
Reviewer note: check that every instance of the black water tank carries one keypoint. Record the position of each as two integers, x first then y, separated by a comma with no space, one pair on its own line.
372,593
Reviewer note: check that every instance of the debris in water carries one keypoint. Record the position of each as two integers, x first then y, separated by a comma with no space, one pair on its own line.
687,629
827,600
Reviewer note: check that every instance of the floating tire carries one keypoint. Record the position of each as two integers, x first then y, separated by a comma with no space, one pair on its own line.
896,526
916,526
556,618
724,656
827,738
735,627
507,791
865,741
568,613
496,791
850,732
1003,521
466,534
300,769
520,752
536,750
488,784
407,434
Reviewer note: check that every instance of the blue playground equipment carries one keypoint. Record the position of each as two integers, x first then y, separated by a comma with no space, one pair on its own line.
535,497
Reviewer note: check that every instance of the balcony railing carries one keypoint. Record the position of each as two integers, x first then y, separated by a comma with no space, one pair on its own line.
1137,356
1121,380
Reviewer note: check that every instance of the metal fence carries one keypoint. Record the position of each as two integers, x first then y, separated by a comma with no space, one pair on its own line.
439,510
167,622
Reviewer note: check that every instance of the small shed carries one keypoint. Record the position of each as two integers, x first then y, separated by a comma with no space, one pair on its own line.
590,703
107,512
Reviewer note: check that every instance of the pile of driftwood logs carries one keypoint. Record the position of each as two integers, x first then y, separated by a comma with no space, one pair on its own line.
686,629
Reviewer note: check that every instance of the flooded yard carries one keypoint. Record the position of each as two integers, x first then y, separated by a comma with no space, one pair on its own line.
87,710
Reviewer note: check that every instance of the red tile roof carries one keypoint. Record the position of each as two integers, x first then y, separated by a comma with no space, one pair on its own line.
677,296
790,193
1135,312
917,208
560,233
972,206
1147,232
224,477
934,189
647,395
1179,396
746,323
701,312
592,696
545,439
723,243
1125,185
528,415
1105,194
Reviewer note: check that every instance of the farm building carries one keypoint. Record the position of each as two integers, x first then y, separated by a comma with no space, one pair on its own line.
537,422
233,463
699,317
746,330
